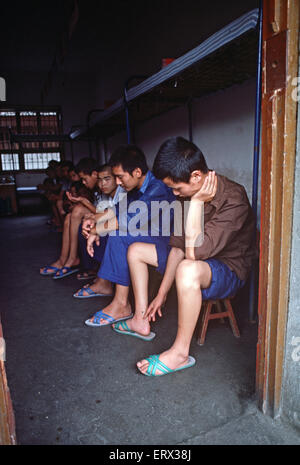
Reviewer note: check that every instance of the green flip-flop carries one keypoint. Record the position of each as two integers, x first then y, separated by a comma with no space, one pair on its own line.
156,364
129,332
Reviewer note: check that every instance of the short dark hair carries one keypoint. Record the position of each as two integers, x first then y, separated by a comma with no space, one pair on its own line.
53,164
129,157
104,167
82,190
177,158
87,166
67,163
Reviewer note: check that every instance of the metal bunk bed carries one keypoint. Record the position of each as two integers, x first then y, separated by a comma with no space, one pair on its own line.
227,57
230,56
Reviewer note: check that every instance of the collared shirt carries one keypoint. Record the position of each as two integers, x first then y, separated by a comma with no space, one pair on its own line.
105,201
141,213
228,229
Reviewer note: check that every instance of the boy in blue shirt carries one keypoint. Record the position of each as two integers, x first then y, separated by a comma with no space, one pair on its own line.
131,171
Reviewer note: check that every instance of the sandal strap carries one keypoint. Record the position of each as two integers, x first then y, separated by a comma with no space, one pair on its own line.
154,364
101,315
123,325
87,289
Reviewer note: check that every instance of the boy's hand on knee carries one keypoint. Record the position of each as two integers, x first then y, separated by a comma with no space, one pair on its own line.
155,307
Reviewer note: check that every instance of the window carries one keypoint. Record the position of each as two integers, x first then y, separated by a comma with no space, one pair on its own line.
39,161
35,151
10,161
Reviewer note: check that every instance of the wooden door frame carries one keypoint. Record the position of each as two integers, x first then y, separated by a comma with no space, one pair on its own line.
278,150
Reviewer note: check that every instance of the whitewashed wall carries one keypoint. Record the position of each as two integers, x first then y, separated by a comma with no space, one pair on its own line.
223,128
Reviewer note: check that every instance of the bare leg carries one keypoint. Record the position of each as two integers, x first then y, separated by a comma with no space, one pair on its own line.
65,245
65,240
119,307
76,216
100,286
191,276
56,216
139,256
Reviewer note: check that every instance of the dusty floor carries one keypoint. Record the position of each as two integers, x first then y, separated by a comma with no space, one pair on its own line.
72,384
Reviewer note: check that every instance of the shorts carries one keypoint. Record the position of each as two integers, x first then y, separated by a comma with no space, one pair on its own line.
224,281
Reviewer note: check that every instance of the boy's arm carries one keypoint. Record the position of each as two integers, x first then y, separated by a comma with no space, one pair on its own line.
176,255
106,226
194,228
86,203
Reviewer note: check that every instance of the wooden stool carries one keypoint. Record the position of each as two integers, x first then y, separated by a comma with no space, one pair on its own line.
220,314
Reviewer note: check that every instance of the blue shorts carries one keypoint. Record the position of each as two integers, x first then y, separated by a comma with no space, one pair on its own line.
224,281
114,266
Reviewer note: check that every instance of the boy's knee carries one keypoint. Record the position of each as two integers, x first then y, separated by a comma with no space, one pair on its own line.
188,274
68,218
78,211
134,251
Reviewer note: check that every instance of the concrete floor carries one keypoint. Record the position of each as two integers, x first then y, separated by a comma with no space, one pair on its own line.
72,384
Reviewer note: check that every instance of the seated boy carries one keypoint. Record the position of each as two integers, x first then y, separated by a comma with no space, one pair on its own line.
130,168
211,259
68,261
110,196
50,188
68,177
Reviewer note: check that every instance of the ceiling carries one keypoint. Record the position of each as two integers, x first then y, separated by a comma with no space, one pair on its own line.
30,31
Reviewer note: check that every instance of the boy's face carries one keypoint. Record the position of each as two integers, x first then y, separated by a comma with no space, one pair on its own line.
51,173
65,172
107,182
73,191
126,180
58,171
89,180
73,176
186,189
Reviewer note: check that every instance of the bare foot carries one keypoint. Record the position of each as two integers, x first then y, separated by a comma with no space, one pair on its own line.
88,274
57,264
100,286
140,326
170,358
116,310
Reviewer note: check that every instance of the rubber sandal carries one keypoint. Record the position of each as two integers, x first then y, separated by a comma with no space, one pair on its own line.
69,270
155,363
91,293
129,332
45,273
86,275
101,315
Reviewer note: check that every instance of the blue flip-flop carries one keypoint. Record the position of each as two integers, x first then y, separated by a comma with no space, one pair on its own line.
91,293
155,363
129,332
104,316
69,270
47,268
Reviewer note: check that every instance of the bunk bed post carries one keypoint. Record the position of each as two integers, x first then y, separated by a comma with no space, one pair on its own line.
190,117
72,150
105,149
128,132
253,275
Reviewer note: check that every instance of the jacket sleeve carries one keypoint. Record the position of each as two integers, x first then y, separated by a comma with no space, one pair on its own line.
223,227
